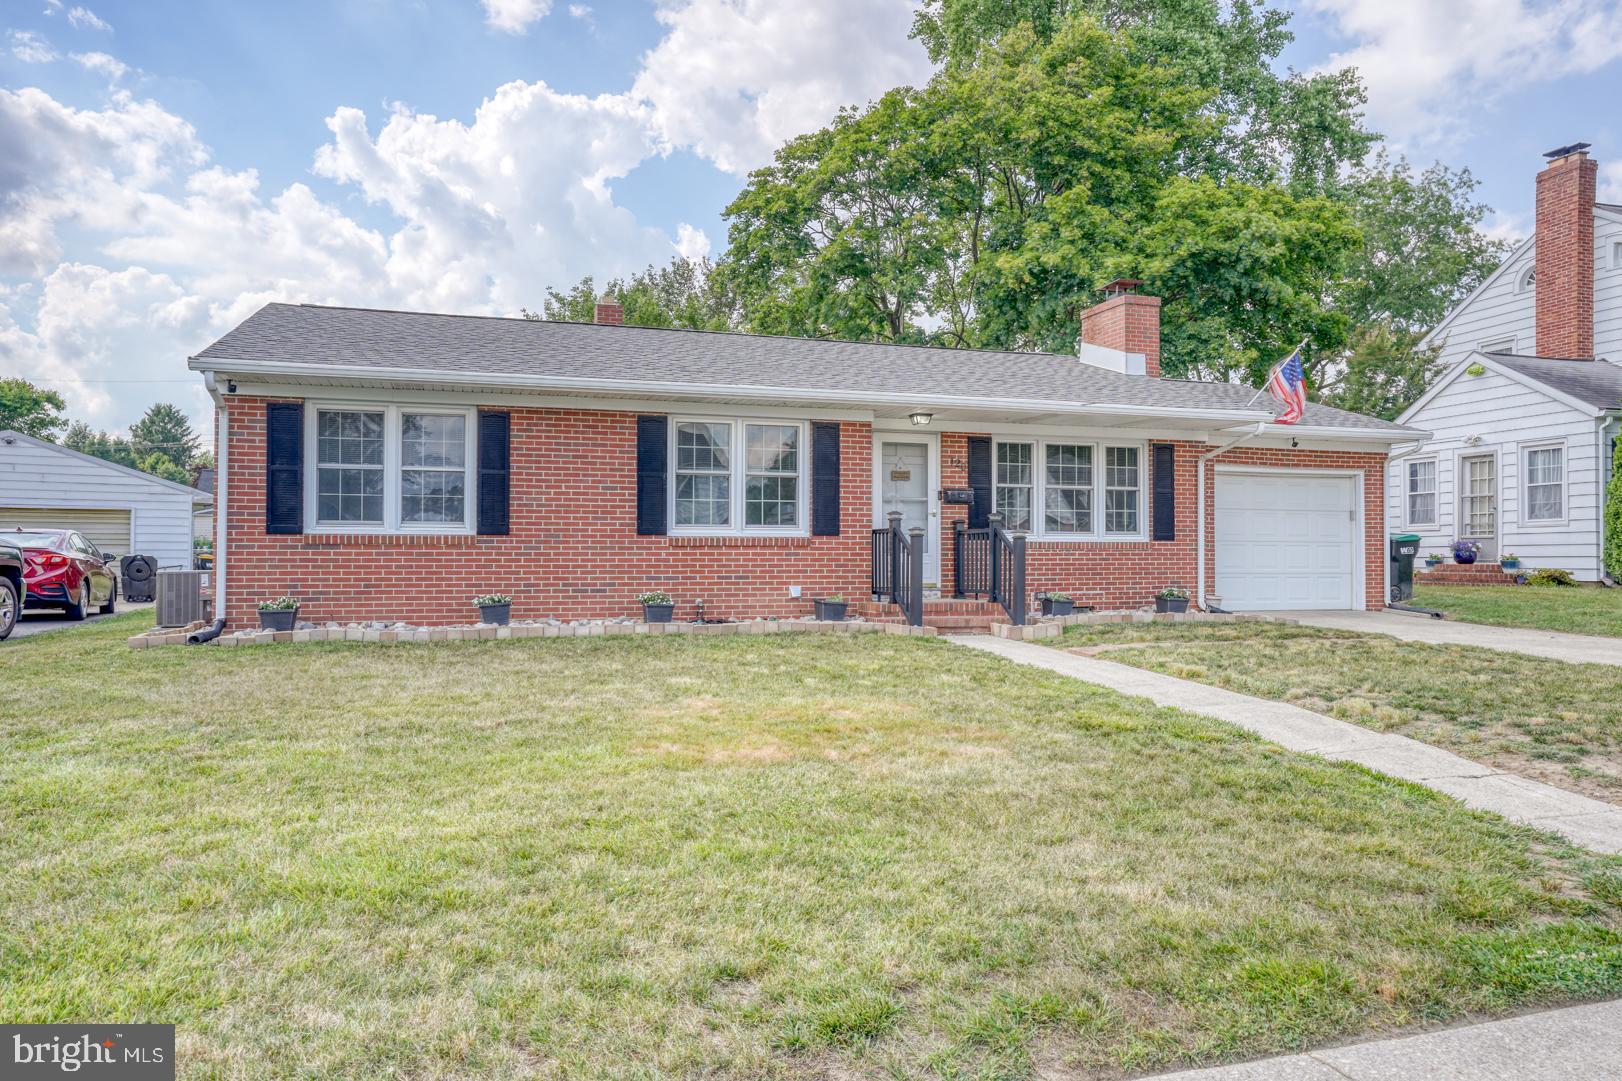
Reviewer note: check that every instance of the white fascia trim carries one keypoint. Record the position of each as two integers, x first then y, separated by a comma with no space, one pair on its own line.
1486,361
1447,320
704,390
1446,380
1309,431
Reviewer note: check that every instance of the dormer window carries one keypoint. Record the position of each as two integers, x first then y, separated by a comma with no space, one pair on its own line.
1528,280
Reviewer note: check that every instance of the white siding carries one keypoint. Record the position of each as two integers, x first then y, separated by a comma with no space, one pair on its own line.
1508,416
1607,287
35,476
1501,310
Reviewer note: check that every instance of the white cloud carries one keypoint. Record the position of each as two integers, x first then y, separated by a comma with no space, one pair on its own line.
103,64
733,79
1610,182
580,11
83,18
1427,64
691,243
515,16
30,47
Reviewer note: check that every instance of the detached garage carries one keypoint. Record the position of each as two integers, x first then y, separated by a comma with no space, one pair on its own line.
120,510
1288,539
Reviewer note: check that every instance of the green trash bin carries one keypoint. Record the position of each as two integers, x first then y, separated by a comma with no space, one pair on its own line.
1404,547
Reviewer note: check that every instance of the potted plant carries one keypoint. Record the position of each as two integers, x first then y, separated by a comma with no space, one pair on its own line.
1057,604
1465,552
831,608
657,607
1172,599
279,614
1510,561
494,608
1434,560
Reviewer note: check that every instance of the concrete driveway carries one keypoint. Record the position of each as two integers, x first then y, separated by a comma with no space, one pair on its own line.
43,620
1585,648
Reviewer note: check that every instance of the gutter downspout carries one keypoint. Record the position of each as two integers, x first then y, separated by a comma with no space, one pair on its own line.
221,515
1199,526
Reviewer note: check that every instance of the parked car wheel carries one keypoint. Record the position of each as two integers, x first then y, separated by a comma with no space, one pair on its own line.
82,609
112,601
9,607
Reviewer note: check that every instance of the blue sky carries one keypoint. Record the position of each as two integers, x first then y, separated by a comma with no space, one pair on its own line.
167,167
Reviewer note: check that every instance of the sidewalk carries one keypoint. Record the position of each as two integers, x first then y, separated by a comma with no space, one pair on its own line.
1579,1043
1556,645
1588,822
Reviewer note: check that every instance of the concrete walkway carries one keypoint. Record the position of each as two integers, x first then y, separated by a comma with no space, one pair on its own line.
44,620
1589,822
1579,1043
1557,645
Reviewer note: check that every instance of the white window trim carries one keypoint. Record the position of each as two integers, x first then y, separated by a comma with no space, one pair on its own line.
739,470
392,458
1524,279
1436,493
1525,465
1497,345
1039,488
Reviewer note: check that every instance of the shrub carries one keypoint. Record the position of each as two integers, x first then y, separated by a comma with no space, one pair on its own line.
1613,516
279,604
657,596
492,598
1550,576
1174,593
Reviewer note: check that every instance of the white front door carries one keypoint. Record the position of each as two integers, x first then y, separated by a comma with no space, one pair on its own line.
1286,540
1478,503
904,484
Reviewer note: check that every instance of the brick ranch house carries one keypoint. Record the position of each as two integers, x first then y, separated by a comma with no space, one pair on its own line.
391,465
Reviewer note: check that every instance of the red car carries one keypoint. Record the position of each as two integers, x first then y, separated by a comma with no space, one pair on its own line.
61,569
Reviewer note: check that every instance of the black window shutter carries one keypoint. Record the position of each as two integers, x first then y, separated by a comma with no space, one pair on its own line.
1165,484
284,467
980,480
652,435
825,479
495,473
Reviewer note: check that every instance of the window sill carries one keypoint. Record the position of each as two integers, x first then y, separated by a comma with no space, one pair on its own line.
388,540
734,540
1091,542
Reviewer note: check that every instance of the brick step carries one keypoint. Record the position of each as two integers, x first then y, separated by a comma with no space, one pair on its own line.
935,607
1471,574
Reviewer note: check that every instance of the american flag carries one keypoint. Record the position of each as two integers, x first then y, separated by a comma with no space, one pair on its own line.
1287,382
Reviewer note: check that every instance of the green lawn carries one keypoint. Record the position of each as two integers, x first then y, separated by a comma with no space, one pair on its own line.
1583,610
785,856
1557,722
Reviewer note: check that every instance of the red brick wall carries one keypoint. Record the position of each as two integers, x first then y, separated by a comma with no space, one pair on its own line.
1129,322
573,551
1565,257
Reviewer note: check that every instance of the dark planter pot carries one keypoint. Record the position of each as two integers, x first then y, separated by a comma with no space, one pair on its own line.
1432,564
831,611
278,621
1051,607
657,613
1171,604
1464,559
1510,564
499,614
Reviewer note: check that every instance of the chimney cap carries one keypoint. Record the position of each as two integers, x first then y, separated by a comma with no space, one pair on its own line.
1121,286
1566,151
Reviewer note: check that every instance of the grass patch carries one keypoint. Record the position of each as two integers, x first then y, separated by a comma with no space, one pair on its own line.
778,857
1542,718
1578,611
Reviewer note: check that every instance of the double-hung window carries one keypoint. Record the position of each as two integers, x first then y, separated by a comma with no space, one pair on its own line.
1067,489
1421,492
382,468
1545,484
734,476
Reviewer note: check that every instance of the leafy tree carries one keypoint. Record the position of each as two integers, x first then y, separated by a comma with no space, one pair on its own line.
86,440
1382,372
165,431
1613,514
684,294
161,465
30,410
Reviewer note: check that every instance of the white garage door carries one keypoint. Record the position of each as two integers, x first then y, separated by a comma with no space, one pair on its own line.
108,530
1285,541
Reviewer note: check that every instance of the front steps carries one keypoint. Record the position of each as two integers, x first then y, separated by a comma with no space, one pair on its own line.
947,615
1464,574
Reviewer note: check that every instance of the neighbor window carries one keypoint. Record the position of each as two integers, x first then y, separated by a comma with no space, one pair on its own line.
1064,489
1545,484
390,468
1422,492
719,488
1502,345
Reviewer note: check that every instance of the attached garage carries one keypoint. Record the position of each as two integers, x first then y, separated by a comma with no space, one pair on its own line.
1287,539
121,510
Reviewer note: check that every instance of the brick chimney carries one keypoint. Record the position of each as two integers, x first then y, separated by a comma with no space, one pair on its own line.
1125,320
608,311
1565,253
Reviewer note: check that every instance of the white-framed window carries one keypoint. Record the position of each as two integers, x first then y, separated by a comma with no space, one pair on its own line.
1616,254
731,475
387,468
1498,345
1545,490
1420,492
1528,280
1065,488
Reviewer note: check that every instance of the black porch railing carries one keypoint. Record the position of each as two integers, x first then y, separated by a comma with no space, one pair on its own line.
990,562
898,568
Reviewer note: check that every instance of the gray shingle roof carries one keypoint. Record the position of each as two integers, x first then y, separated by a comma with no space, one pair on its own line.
1595,381
360,338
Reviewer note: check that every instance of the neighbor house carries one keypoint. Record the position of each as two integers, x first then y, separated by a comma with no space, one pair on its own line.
1527,409
120,510
391,465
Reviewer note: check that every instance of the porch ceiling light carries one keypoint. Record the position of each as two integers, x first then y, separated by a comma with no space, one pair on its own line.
920,418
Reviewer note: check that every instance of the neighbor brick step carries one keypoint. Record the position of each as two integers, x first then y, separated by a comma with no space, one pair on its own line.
1469,574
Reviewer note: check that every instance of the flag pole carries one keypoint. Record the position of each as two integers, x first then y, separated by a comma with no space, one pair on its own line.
1293,352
